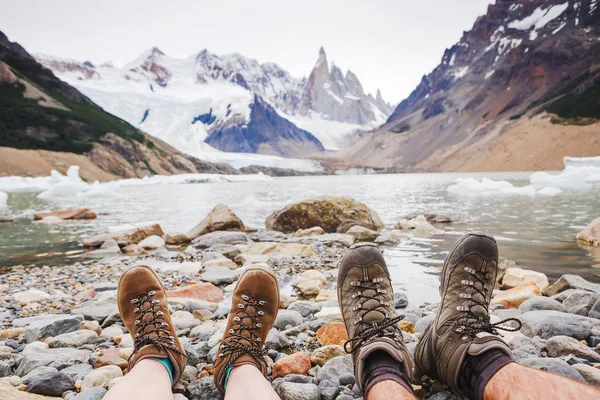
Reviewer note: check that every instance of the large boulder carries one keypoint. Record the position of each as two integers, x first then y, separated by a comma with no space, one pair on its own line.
549,323
591,234
124,238
328,213
82,213
221,218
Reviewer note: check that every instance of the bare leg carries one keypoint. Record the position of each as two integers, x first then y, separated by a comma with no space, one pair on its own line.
246,382
517,382
389,390
148,380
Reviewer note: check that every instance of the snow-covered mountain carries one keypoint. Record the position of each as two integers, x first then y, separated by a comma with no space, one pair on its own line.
229,103
477,107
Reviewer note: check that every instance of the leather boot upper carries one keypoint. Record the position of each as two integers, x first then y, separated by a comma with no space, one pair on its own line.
254,308
143,307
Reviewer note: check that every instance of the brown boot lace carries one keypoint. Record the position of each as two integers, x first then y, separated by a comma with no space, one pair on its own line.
163,339
468,322
388,327
236,344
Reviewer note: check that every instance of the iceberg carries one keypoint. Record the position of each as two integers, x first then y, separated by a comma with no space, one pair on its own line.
579,173
3,199
474,187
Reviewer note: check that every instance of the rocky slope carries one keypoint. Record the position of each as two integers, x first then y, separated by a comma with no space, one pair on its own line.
520,59
195,104
40,112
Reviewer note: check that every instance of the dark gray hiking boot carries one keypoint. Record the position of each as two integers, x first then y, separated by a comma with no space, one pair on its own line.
367,303
462,326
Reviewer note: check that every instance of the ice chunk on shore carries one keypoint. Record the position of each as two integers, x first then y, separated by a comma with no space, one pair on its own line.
3,199
473,187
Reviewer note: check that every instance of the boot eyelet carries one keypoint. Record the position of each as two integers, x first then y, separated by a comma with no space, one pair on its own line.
160,314
231,331
221,355
261,313
152,293
136,310
244,297
258,339
164,324
236,319
258,325
137,335
135,301
262,302
137,322
155,302
240,305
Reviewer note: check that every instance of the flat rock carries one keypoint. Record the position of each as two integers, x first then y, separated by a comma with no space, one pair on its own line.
512,298
541,303
73,339
42,326
336,367
513,277
590,374
50,383
219,237
95,393
391,238
82,213
96,311
549,323
329,239
152,243
124,238
8,392
199,291
315,230
595,310
287,317
101,376
571,282
268,236
279,250
219,275
30,295
221,218
298,391
305,308
78,371
204,389
580,303
559,346
50,357
328,213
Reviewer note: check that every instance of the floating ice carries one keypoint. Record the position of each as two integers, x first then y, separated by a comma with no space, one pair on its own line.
473,187
579,173
549,191
3,199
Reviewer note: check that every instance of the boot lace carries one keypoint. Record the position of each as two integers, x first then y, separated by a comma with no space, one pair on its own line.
159,333
366,290
236,343
469,323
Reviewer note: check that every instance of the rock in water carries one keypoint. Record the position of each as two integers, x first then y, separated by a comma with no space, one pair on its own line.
221,218
591,234
362,234
124,238
328,213
83,213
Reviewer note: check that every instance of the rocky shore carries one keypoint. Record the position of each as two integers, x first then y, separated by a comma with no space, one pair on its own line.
61,334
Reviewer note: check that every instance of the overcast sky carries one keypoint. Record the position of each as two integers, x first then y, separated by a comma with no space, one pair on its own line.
388,44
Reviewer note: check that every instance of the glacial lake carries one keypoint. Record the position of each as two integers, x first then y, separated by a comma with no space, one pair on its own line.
538,232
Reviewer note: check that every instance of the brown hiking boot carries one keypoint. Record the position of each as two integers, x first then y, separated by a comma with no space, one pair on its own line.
366,300
462,326
143,307
253,311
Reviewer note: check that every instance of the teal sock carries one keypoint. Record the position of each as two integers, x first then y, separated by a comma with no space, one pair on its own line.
227,376
168,365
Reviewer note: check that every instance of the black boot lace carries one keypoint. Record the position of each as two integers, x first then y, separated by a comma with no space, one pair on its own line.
469,323
235,343
366,290
159,333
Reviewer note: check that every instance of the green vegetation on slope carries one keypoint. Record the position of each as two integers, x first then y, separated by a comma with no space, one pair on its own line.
578,106
25,124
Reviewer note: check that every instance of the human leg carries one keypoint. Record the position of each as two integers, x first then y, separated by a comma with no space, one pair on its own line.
240,366
382,363
137,385
517,382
